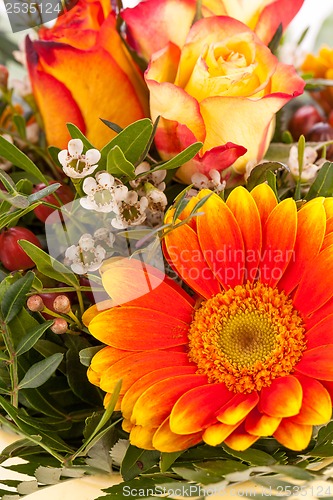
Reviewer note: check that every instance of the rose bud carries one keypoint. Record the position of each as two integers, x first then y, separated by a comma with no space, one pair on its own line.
303,120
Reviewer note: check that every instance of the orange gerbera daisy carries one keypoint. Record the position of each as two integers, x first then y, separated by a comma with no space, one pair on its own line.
250,354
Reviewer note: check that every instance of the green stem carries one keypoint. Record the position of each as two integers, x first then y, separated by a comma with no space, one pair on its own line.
12,364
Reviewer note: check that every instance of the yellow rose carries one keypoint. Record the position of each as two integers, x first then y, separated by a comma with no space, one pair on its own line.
154,23
321,66
222,88
80,72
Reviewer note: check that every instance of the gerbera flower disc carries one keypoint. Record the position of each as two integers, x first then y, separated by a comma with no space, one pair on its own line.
249,353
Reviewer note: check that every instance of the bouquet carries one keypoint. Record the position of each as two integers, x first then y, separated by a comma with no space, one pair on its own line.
166,251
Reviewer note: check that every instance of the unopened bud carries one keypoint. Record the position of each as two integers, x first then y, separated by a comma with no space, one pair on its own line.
59,326
62,304
35,303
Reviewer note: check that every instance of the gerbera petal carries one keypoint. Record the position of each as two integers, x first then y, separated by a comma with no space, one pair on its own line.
317,363
197,409
106,357
135,391
259,424
167,441
293,436
329,225
143,327
131,368
215,434
328,205
311,220
316,404
245,210
278,242
137,284
320,314
187,258
236,409
155,404
240,440
221,241
142,436
92,311
283,398
315,287
328,241
321,333
265,200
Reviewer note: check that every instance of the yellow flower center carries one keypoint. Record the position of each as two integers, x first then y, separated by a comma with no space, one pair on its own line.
246,337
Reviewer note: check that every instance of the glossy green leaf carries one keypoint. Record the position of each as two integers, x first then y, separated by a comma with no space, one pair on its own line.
40,372
323,184
118,165
15,297
38,195
19,159
11,219
87,354
168,459
180,159
252,456
132,140
259,173
48,265
31,337
137,461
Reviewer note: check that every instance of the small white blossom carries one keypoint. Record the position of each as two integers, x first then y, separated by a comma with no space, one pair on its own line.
74,163
132,211
104,193
213,181
104,235
154,178
157,202
310,168
85,256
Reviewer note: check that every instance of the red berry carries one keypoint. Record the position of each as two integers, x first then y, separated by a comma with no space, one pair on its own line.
303,120
12,255
330,118
65,194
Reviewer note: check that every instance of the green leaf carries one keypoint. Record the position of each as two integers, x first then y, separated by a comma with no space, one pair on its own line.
259,173
271,181
180,159
149,143
274,43
137,461
38,195
30,339
19,159
323,184
221,467
118,165
167,459
10,219
198,476
87,354
112,125
7,181
48,265
40,372
16,200
292,471
132,140
15,297
77,373
76,133
252,456
20,125
53,152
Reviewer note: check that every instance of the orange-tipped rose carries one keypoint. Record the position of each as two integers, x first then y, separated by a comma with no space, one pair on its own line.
154,23
81,72
223,88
